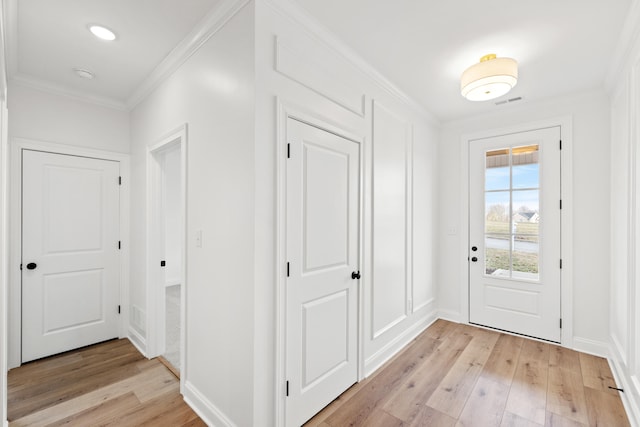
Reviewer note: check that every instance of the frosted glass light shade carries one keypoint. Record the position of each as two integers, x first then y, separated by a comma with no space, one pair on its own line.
490,78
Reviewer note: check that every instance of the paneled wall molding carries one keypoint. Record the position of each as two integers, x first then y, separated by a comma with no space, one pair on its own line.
297,14
389,297
624,85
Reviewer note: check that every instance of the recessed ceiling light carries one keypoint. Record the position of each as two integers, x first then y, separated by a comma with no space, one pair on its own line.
102,33
84,74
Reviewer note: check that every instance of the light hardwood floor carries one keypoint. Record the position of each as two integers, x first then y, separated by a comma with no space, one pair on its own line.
459,375
108,384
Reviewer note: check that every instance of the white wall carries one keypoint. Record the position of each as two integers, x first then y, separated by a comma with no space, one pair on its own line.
625,221
213,92
43,116
591,186
301,69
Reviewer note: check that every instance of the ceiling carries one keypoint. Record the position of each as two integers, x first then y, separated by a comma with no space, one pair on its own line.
51,38
422,46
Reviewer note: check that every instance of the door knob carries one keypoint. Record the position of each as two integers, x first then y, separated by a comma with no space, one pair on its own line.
474,248
474,259
31,266
355,275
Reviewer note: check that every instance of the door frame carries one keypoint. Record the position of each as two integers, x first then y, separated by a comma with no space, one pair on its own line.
286,111
156,295
566,214
17,145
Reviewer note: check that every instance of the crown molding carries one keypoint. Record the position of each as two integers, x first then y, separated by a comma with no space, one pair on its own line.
55,89
320,33
206,28
626,48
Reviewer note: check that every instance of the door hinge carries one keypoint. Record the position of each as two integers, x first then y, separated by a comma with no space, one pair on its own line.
288,151
118,309
119,180
119,244
560,203
287,268
560,323
287,389
20,266
163,263
561,144
560,262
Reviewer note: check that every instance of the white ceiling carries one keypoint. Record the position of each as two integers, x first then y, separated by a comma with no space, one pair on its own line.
51,38
423,46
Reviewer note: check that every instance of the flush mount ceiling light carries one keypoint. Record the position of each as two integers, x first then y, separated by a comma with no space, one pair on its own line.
103,33
490,78
83,74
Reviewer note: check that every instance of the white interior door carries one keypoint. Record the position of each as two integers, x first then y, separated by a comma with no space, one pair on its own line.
514,233
322,254
70,274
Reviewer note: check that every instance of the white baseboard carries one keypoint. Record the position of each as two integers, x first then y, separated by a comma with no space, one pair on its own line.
206,410
629,400
388,351
586,345
450,315
138,341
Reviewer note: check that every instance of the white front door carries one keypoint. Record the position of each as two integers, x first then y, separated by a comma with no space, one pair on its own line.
70,260
514,233
322,253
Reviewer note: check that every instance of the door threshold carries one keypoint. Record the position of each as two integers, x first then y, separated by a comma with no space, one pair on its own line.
175,371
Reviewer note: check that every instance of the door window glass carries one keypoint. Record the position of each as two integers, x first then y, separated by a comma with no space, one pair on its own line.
512,212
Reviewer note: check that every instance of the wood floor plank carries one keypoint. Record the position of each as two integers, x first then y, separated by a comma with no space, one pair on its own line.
605,409
117,381
379,418
564,358
100,413
555,420
565,395
503,361
440,329
406,402
358,408
513,420
452,393
154,379
528,394
597,374
429,417
485,405
522,376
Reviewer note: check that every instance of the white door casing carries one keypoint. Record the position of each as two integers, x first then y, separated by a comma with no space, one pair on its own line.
322,253
514,271
70,230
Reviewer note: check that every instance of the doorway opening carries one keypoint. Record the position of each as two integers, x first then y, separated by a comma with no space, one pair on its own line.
166,248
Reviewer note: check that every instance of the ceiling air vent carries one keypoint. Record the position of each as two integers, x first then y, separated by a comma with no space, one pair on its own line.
506,101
